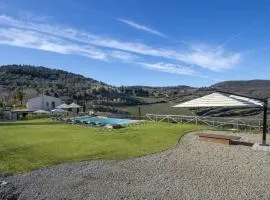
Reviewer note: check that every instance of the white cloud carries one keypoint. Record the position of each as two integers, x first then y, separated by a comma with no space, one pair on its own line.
141,27
34,40
207,57
212,59
124,56
170,68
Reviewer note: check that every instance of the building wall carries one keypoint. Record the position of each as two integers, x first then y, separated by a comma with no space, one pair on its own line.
51,102
35,104
43,103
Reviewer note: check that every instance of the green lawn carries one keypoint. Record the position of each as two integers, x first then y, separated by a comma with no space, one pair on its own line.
38,143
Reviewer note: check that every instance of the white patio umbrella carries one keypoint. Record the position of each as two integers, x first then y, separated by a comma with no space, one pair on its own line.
218,99
63,106
58,110
73,105
41,112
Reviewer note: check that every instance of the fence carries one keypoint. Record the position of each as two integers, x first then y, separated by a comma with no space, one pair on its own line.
247,124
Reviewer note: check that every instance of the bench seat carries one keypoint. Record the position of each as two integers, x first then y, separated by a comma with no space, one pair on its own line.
225,139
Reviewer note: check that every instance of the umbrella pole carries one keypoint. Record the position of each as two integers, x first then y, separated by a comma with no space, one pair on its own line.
265,107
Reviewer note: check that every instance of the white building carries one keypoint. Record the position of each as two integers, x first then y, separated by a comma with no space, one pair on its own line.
43,102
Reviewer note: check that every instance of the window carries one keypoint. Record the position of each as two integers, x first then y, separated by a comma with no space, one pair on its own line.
53,104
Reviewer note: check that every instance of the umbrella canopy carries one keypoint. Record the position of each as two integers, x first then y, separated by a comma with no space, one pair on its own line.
231,100
41,112
249,100
220,100
58,110
63,106
73,105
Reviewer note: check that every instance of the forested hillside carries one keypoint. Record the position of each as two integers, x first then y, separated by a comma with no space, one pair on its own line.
21,82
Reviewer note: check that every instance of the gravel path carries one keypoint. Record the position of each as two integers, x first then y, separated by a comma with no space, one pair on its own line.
192,170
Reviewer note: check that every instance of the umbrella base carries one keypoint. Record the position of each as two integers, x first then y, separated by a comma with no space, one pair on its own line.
260,147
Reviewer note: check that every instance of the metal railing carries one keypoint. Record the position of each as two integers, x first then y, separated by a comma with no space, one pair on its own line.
248,124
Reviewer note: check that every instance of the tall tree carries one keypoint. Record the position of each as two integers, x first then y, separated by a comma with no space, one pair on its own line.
20,96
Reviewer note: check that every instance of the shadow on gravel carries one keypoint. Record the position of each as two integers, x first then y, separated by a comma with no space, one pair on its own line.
26,123
249,144
7,190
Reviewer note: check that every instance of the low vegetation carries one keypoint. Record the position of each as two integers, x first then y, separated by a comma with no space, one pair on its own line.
159,108
38,143
35,116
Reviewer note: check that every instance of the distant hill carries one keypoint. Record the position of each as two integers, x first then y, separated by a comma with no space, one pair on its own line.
21,82
169,91
254,88
25,81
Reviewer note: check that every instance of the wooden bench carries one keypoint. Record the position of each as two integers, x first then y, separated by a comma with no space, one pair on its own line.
225,139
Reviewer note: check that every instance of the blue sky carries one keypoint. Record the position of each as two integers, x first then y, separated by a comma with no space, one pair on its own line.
156,43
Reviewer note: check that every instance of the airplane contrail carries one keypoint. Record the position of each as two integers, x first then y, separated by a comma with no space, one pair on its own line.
233,37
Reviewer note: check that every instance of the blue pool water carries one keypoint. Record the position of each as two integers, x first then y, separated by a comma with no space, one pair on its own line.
106,121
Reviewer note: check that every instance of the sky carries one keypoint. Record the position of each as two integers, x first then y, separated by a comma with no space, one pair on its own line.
154,43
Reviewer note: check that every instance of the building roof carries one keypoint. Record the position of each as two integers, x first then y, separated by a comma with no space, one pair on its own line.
41,112
220,100
21,110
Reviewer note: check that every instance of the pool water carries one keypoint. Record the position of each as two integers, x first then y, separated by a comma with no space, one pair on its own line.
106,121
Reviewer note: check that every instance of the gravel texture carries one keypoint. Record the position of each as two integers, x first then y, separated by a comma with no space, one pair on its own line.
194,169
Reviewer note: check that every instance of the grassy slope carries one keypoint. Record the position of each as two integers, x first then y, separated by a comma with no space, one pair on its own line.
34,144
159,108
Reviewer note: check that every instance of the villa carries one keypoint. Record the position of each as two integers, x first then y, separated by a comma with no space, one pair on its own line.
43,102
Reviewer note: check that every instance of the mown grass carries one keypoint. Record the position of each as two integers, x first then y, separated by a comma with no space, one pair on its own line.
38,143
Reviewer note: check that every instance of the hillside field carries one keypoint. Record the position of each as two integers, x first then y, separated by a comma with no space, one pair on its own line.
159,108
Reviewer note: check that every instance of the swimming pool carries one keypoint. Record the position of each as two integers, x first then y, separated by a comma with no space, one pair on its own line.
106,121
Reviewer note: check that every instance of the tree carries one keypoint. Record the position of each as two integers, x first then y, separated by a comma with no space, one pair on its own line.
20,96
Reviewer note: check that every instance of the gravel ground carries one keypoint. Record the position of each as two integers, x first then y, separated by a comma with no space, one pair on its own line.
192,170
